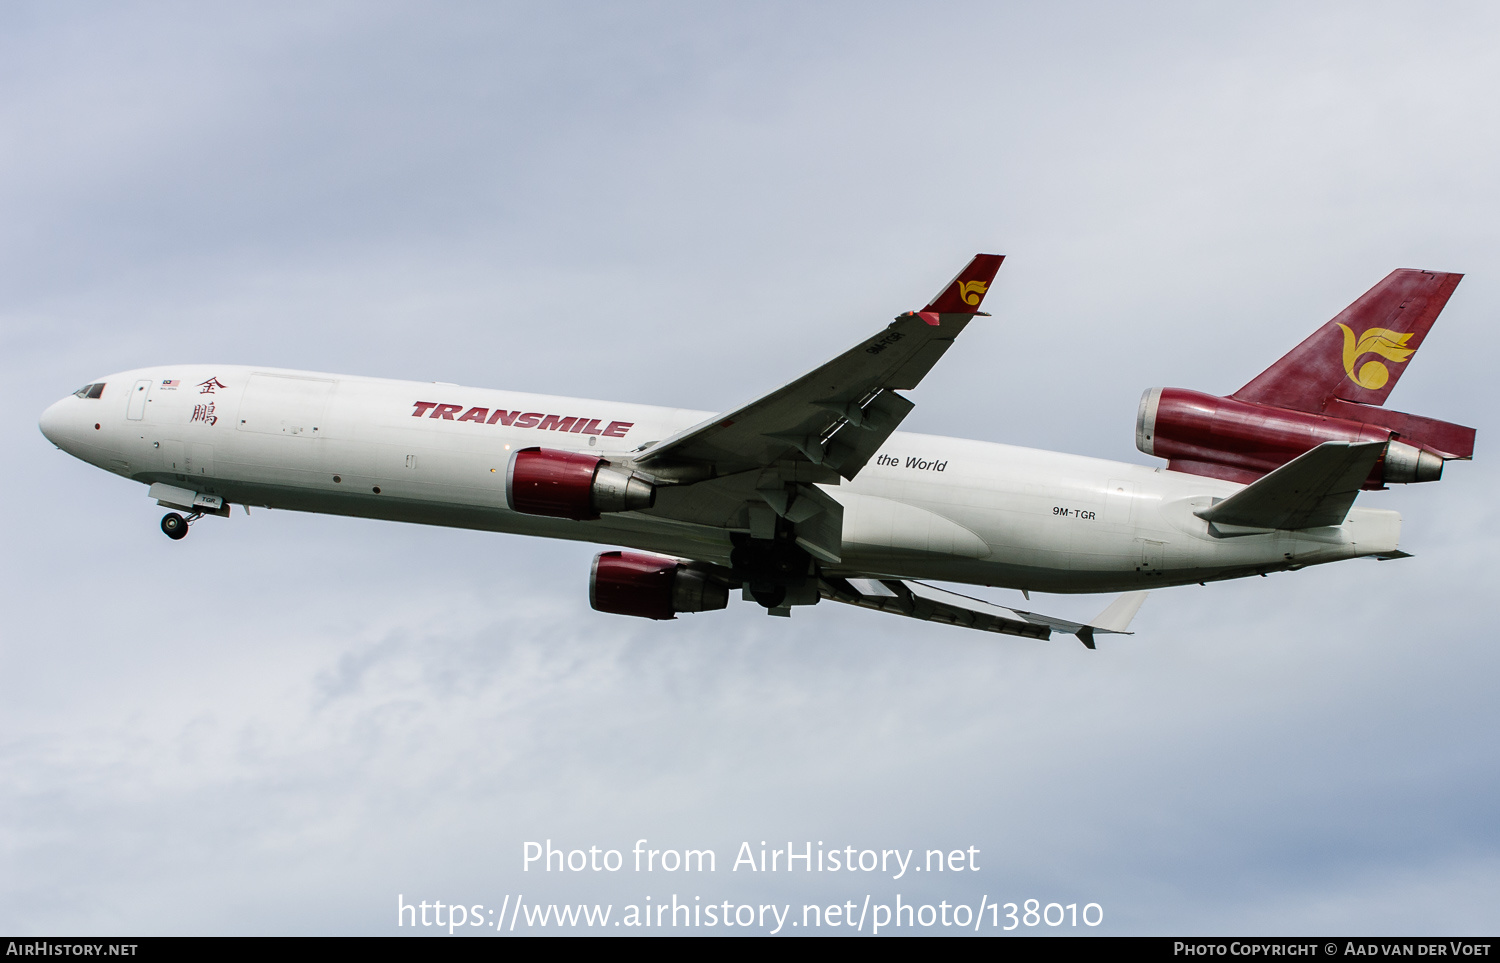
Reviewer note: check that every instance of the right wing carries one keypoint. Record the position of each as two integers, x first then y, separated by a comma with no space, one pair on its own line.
917,600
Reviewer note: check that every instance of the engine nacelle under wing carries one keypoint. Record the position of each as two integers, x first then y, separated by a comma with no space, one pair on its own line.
565,484
652,586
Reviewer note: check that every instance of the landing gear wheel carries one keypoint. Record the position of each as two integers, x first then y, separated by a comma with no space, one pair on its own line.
174,525
771,596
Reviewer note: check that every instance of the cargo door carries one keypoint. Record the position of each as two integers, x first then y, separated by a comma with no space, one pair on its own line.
285,405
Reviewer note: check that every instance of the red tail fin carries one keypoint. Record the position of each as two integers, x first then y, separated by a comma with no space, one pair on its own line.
1359,355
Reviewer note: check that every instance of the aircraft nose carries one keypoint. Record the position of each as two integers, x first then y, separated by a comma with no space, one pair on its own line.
56,424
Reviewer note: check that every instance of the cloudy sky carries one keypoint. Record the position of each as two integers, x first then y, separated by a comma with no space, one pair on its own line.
284,722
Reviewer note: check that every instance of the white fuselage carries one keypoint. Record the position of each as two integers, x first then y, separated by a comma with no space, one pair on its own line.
923,507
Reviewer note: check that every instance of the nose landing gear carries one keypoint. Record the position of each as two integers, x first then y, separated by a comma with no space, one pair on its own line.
175,526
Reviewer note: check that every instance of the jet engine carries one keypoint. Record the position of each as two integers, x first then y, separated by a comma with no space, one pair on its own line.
1240,441
564,484
652,586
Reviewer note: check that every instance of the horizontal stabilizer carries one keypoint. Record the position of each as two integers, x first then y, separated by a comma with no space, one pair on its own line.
930,604
1311,490
1440,437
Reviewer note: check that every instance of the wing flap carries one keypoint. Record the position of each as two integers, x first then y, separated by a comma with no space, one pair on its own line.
855,443
922,602
928,603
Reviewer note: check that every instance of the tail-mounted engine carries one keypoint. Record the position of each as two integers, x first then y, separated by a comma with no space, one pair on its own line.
1331,387
653,586
1240,441
564,484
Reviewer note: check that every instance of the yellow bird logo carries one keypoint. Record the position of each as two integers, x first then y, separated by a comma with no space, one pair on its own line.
1389,344
972,291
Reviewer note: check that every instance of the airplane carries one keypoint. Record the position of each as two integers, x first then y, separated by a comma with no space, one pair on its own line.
810,492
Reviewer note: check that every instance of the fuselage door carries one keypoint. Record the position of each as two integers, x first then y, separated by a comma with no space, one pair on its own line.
135,410
1151,556
1119,497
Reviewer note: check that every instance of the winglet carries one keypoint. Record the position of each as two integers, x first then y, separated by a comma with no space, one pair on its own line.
1115,618
965,292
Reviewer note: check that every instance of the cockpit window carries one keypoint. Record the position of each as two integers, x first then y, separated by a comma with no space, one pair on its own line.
91,391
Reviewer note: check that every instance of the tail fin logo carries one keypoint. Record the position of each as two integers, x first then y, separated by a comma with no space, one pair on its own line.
1391,345
972,291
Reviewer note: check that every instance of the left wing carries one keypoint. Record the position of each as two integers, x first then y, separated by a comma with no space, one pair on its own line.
920,601
755,468
836,416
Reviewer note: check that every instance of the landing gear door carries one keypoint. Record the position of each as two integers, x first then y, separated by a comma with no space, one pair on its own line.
136,409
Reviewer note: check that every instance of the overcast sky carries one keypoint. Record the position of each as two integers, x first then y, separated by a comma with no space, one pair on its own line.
281,723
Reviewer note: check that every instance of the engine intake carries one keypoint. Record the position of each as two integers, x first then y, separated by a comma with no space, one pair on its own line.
652,586
1240,441
565,484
